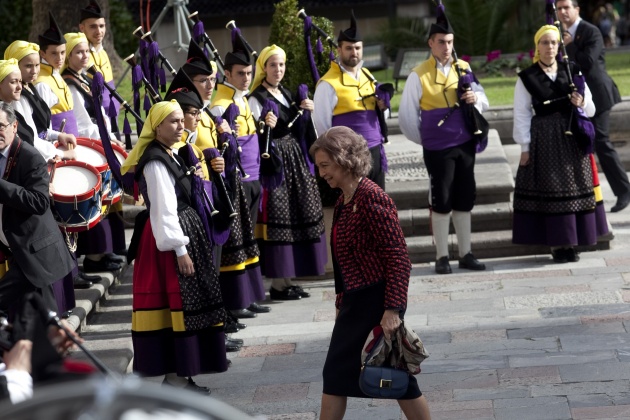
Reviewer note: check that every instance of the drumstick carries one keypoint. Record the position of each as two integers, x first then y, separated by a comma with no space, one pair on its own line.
62,126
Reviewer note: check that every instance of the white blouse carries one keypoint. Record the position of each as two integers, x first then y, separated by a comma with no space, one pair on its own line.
165,225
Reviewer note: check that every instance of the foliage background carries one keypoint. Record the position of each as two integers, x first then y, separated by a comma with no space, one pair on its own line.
287,31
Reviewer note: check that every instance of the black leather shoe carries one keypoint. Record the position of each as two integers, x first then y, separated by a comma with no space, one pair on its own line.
193,386
572,255
560,255
286,294
469,262
442,266
243,313
114,258
87,277
259,309
90,266
231,346
298,289
622,202
79,283
238,341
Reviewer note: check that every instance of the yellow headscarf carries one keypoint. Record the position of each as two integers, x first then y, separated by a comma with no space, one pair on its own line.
260,64
544,30
72,40
7,67
20,49
157,114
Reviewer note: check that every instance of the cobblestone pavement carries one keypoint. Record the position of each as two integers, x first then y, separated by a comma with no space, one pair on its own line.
526,340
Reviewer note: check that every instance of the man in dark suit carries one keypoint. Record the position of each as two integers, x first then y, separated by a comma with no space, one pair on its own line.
585,46
29,235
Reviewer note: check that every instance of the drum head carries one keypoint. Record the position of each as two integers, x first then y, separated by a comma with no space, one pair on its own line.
74,180
90,155
130,399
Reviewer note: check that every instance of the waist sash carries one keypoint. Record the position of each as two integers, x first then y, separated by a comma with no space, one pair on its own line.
451,133
250,157
71,122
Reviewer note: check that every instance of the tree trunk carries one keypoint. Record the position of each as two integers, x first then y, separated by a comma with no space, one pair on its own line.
67,14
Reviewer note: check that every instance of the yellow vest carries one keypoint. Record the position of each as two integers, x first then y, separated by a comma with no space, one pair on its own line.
101,62
59,88
348,89
435,85
206,133
223,97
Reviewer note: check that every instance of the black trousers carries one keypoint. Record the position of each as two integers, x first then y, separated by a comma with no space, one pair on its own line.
608,157
376,173
452,177
252,194
14,286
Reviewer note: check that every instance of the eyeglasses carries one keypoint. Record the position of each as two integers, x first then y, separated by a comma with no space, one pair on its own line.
193,114
206,81
3,127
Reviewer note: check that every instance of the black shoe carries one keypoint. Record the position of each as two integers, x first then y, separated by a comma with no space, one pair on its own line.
87,277
572,255
114,258
192,386
622,202
79,283
90,266
259,309
442,266
236,340
286,294
232,326
231,346
298,289
560,255
243,313
469,262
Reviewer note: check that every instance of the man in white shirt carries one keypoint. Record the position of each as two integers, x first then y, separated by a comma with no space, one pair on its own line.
428,116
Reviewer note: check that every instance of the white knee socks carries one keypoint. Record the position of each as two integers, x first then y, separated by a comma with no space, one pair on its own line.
461,221
439,224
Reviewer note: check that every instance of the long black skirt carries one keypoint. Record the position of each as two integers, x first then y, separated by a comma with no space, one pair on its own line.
358,315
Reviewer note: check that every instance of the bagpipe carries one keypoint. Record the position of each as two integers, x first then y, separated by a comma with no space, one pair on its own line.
201,37
579,126
309,26
128,109
384,92
236,32
475,122
150,51
271,171
306,131
138,79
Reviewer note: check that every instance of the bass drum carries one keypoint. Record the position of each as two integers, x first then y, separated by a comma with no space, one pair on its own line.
105,398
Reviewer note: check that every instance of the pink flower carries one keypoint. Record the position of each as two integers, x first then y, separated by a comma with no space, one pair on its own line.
493,55
466,58
519,58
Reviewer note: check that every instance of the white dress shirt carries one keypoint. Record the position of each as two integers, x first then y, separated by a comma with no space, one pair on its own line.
409,118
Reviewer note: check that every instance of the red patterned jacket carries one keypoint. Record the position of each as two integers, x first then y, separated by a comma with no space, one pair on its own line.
370,246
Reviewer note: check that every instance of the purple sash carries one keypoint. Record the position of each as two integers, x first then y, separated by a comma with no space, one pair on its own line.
451,133
71,122
362,122
250,156
366,124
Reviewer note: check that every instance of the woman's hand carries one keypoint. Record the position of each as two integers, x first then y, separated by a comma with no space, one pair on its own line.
185,265
224,127
218,164
118,143
577,99
69,154
64,139
390,322
307,104
271,119
524,159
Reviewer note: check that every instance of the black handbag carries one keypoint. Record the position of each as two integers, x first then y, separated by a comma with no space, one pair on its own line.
382,381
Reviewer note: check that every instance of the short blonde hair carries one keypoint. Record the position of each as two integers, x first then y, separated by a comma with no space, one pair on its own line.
346,148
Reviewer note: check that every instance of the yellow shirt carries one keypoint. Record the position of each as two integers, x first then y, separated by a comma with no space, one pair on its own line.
58,86
437,88
349,89
223,97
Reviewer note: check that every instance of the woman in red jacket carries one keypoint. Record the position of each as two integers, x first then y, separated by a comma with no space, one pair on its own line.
372,270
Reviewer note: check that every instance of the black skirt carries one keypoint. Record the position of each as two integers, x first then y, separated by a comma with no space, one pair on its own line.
356,319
